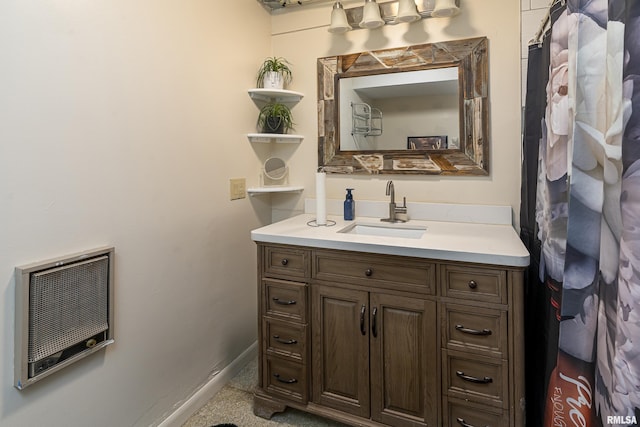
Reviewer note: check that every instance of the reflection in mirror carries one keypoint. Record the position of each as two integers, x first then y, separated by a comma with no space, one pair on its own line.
417,109
274,172
411,110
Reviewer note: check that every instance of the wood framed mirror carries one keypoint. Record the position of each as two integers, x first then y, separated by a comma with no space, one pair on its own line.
419,145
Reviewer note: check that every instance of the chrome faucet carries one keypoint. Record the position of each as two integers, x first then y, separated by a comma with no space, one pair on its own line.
396,213
391,191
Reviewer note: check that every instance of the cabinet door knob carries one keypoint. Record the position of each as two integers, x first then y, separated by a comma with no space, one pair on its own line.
473,331
472,284
471,379
284,261
368,272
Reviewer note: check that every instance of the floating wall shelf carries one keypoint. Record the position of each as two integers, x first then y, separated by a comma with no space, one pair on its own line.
275,95
262,96
274,189
282,138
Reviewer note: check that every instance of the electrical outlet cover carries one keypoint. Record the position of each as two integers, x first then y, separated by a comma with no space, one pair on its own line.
237,188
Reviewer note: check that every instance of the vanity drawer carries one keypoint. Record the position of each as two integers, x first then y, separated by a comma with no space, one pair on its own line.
458,413
392,272
285,339
476,378
474,283
286,379
285,300
476,329
286,262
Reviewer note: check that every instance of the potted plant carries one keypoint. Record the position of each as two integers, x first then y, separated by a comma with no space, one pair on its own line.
275,117
274,73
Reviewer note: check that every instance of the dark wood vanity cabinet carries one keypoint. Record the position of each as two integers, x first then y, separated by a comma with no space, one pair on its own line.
482,345
375,355
284,330
375,340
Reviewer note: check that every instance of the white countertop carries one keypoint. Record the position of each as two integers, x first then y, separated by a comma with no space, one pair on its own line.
496,244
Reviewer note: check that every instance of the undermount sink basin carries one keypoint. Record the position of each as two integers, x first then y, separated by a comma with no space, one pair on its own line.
386,230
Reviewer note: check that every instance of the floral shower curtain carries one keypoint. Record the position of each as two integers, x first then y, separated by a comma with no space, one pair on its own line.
588,213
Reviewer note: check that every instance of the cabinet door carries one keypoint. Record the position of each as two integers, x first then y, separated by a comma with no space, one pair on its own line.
340,346
404,371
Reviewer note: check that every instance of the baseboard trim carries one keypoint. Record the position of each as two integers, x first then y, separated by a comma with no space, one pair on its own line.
209,389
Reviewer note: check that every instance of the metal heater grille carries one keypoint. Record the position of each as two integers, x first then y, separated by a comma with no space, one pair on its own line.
64,312
67,305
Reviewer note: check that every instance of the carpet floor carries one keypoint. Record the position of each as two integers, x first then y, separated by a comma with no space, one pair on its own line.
234,404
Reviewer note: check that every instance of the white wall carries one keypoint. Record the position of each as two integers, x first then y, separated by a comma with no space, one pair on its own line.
121,123
533,13
301,36
416,116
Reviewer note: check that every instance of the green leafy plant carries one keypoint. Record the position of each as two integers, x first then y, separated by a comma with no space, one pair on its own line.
275,64
275,117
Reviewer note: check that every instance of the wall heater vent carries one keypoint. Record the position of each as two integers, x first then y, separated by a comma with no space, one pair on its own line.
63,312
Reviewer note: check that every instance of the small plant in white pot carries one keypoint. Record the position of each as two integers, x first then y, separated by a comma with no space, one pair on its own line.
274,73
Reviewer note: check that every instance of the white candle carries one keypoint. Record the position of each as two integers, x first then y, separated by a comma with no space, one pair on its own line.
321,199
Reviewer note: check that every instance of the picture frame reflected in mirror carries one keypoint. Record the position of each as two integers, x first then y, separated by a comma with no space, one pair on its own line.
439,142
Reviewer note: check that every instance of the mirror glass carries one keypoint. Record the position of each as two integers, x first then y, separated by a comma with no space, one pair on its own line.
415,109
275,168
274,172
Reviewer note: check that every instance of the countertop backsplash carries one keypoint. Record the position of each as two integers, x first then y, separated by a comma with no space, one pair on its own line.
482,214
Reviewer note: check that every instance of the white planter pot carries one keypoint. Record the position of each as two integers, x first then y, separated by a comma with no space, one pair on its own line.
273,80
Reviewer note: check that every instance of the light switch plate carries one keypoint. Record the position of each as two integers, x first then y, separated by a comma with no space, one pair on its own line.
237,188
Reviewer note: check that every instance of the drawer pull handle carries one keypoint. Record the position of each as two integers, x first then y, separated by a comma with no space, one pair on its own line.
485,380
284,261
473,331
472,284
289,381
462,422
374,326
363,331
368,272
277,301
281,341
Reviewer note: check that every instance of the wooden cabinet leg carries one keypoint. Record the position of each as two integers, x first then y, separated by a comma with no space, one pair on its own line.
264,407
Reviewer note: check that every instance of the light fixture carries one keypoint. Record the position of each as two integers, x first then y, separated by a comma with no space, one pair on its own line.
445,8
407,11
371,15
339,22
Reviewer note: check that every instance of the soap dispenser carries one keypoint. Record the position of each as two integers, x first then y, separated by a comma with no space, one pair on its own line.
349,206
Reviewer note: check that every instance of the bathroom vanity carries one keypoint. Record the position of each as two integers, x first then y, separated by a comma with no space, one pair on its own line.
416,324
